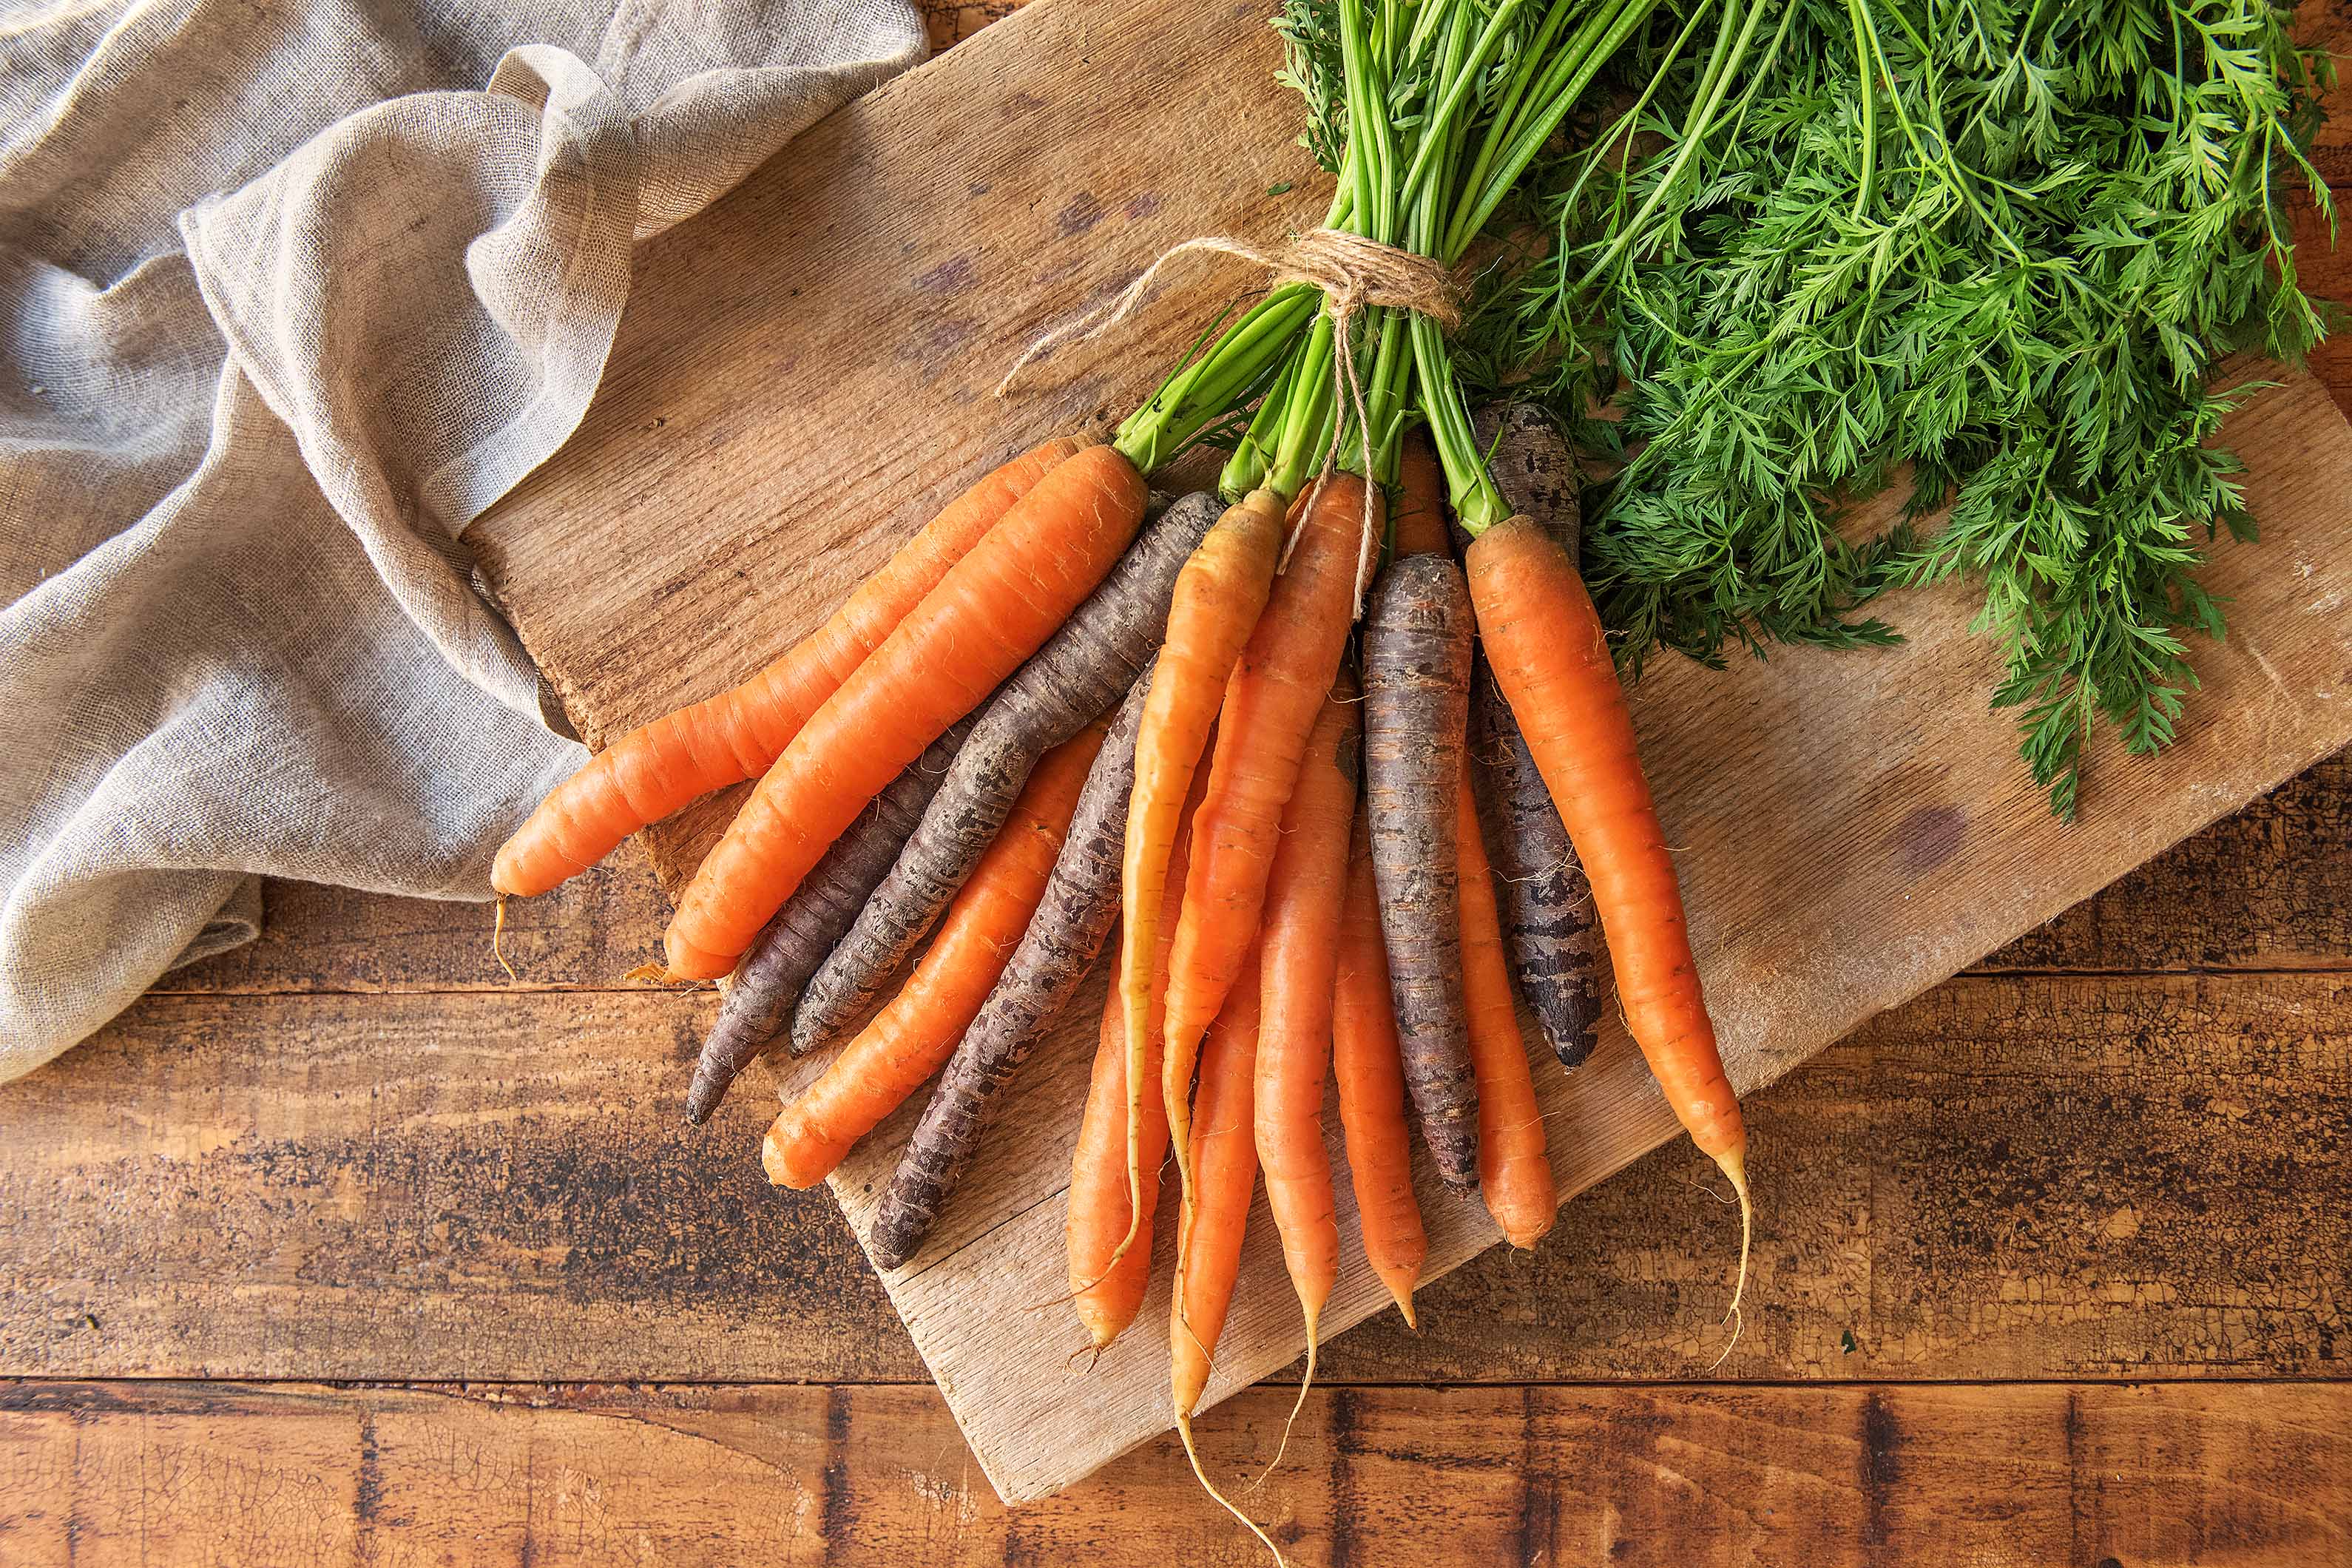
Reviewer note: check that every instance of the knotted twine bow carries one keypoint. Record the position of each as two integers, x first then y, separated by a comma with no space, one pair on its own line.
1353,271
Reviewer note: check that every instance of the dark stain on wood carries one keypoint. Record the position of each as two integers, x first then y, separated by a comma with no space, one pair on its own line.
1539,1509
935,340
949,277
1080,215
2071,1425
367,1495
1927,836
1341,1533
838,1515
1882,1466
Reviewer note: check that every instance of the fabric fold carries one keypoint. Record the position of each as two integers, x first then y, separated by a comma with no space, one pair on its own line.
290,296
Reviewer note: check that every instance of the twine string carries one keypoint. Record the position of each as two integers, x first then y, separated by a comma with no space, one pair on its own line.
1354,272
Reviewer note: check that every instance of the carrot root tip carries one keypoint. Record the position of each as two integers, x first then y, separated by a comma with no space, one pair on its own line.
1738,1321
1184,1431
1734,1165
1305,1382
497,939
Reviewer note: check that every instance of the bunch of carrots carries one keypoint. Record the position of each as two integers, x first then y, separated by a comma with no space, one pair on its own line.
1268,736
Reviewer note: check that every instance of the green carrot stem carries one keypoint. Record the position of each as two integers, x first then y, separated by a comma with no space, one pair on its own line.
1305,427
1722,64
1437,136
1384,395
1253,452
1370,150
1469,486
1201,393
1531,60
1571,71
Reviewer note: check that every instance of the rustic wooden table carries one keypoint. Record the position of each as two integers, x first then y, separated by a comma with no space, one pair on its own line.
337,1248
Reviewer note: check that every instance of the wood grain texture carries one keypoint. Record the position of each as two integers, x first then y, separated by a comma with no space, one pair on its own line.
2038,1476
2012,1176
737,429
396,1187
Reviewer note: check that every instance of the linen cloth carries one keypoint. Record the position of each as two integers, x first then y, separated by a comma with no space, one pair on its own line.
291,292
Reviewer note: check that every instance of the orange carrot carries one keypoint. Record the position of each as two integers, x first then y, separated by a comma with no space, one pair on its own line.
1514,1172
1550,655
658,767
1106,1286
907,1040
1418,525
993,609
1216,607
1225,1149
1277,688
1209,1231
1369,1064
1298,965
1108,1230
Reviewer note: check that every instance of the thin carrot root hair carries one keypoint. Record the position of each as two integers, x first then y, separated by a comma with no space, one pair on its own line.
1184,1431
1182,1324
1126,1243
498,934
1066,1297
1305,1382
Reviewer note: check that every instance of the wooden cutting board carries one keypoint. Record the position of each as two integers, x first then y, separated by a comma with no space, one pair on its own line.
804,375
